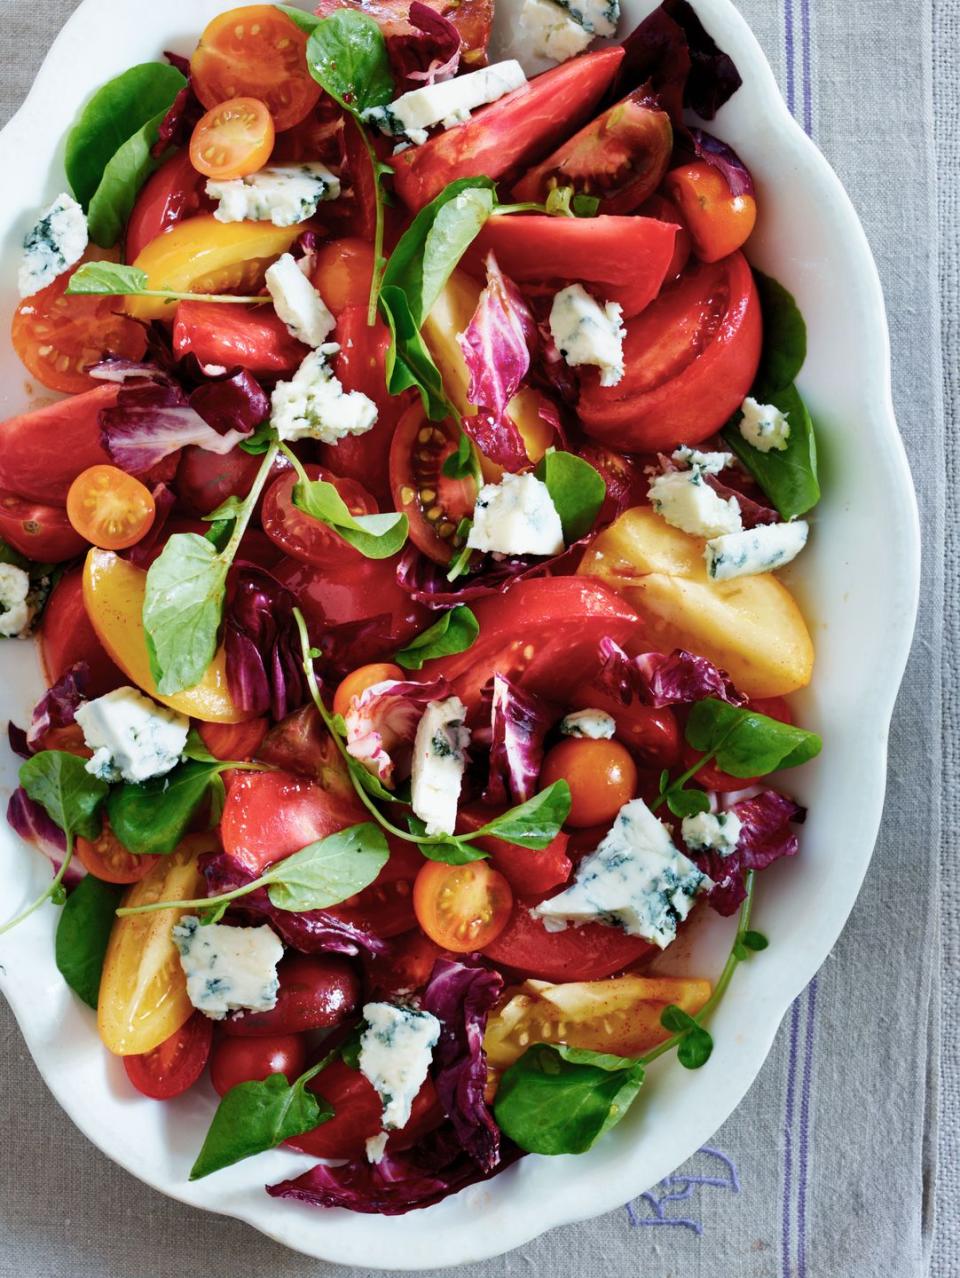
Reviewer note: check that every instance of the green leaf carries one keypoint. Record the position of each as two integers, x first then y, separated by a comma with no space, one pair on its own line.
328,871
182,608
117,110
788,476
585,205
676,1020
227,511
456,631
261,439
559,1100
106,279
82,935
784,338
459,465
683,803
255,1117
10,556
304,20
375,536
153,817
347,55
370,782
350,1050
535,823
577,490
695,1048
745,743
71,797
114,198
409,362
450,851
755,941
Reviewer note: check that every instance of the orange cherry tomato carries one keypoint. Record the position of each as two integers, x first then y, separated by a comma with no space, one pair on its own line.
109,508
108,859
719,222
462,907
233,139
359,680
256,51
342,273
601,774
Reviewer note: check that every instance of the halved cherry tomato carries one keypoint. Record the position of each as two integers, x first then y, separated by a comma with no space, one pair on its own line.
107,858
406,968
42,452
342,273
472,18
59,338
175,1065
42,533
586,953
205,480
300,743
690,358
233,139
253,337
110,508
648,732
67,636
233,740
620,157
528,871
719,221
174,192
521,127
359,680
433,503
601,774
246,1060
302,537
462,907
317,992
713,778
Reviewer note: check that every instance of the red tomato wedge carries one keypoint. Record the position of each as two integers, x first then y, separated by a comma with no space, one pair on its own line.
690,358
42,453
586,953
174,192
255,338
173,1067
519,129
529,872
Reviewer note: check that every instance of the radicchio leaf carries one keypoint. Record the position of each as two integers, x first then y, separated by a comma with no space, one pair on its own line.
185,111
58,705
234,402
350,644
657,679
17,740
460,994
519,722
752,512
426,582
262,644
713,78
32,823
765,836
382,723
725,160
428,55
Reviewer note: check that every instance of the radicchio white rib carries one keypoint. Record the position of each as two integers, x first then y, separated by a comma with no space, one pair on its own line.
765,836
519,722
382,724
657,679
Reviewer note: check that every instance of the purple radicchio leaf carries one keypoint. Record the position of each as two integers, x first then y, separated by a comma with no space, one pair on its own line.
429,54
519,722
713,78
185,111
752,512
426,582
262,644
17,739
765,837
304,251
142,553
58,705
658,679
460,994
382,723
350,644
725,160
437,1167
32,823
232,402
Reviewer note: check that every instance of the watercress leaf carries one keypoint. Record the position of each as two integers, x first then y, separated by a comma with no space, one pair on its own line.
115,112
450,851
304,20
535,823
219,534
82,935
69,794
460,464
375,536
559,1100
261,439
409,362
676,1020
182,607
461,561
58,894
755,941
456,631
106,278
788,476
695,1048
328,871
347,54
745,743
230,509
683,803
577,490
784,338
153,817
125,174
372,784
254,1117
350,1051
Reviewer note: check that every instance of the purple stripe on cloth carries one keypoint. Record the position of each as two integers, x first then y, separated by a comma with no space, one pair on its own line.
807,79
805,1129
788,21
788,1135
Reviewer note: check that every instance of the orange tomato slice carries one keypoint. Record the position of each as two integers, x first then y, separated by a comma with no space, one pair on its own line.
109,508
461,907
233,139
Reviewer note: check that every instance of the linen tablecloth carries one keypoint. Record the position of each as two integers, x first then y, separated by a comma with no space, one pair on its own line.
827,1169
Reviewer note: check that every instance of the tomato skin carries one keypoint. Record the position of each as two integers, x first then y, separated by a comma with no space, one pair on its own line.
233,139
433,502
719,222
586,953
343,272
239,741
107,858
601,774
384,908
67,636
650,733
205,480
713,778
521,127
42,452
301,537
246,1060
407,967
301,744
174,192
110,508
528,871
254,338
175,1065
316,992
461,907
357,682
42,533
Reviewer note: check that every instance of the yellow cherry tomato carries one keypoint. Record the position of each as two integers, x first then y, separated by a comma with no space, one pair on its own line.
110,508
601,774
233,139
359,680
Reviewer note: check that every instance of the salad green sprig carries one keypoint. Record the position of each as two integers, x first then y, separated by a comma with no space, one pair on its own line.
111,279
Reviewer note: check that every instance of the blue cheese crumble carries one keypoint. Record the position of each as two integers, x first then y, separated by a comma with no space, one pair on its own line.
599,17
764,426
760,549
16,609
53,245
709,463
298,303
684,499
587,333
228,969
314,405
283,194
132,738
396,1048
516,517
636,880
448,103
595,725
712,832
438,763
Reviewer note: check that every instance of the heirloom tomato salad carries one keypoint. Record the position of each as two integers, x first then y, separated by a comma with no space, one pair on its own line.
402,551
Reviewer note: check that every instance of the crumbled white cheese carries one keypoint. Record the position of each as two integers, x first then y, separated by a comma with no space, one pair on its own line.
516,517
712,832
396,1048
438,763
587,333
601,17
376,1146
448,102
764,426
547,33
709,463
314,405
131,736
596,725
684,499
228,968
16,611
53,245
298,303
283,194
759,549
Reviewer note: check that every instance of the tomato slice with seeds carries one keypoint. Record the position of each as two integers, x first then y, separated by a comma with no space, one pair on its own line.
433,503
462,907
308,539
110,508
173,1067
107,858
233,139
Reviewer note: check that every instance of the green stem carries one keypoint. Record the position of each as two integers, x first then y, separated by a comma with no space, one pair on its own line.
682,780
379,262
504,210
173,297
199,903
250,501
44,896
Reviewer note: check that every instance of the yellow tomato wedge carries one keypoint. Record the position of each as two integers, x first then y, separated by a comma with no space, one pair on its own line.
202,255
113,597
620,1016
143,993
750,626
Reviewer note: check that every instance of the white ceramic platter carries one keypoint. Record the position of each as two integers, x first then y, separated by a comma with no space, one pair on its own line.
857,583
